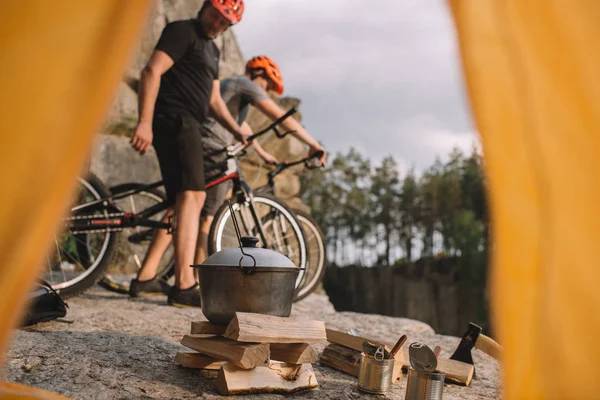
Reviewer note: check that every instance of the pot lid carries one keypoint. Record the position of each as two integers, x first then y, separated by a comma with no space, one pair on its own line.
251,253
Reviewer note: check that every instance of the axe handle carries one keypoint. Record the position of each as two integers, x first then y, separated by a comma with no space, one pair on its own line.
489,346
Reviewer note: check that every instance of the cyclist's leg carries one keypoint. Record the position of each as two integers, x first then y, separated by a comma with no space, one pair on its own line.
187,208
215,196
161,240
165,129
178,145
189,200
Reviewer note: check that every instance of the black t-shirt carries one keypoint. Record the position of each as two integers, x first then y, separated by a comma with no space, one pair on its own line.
186,87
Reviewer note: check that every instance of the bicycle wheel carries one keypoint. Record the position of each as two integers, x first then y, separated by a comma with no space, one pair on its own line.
134,242
317,255
77,260
281,229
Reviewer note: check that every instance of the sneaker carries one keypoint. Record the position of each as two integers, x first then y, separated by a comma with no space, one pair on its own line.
151,287
185,297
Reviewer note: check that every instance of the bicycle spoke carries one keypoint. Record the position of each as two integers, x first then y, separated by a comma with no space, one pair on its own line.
74,256
271,223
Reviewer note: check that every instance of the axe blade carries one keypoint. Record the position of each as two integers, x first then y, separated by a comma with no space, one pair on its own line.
463,350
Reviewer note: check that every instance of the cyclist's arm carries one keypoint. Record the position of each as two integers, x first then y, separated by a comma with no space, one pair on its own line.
265,155
222,115
273,111
159,63
149,85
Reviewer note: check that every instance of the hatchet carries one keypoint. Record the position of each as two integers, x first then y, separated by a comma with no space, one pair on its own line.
474,338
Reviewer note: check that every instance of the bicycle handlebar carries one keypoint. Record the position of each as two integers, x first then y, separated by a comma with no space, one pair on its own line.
273,126
239,147
283,166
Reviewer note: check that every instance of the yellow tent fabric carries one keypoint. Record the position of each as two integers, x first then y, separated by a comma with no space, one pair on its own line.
14,391
61,62
532,70
532,73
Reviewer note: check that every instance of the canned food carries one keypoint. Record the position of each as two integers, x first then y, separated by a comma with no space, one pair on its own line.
375,375
424,385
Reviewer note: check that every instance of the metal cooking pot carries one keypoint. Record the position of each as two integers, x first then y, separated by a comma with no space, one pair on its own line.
246,279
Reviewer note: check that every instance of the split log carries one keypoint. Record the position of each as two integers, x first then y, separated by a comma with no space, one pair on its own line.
293,353
276,378
260,328
244,355
206,327
207,366
347,360
350,341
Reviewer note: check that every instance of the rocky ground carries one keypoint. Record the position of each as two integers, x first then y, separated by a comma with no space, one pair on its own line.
112,347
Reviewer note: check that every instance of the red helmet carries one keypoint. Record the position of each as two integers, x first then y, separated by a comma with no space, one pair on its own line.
231,9
271,69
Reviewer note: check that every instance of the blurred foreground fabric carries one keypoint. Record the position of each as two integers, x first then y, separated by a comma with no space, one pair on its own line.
61,62
532,75
532,71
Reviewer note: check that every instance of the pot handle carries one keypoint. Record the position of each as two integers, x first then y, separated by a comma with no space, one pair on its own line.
248,270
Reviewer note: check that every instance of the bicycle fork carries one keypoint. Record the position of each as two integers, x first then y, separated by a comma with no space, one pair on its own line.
246,196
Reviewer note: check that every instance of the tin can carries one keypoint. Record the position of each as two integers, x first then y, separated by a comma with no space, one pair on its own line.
375,376
424,385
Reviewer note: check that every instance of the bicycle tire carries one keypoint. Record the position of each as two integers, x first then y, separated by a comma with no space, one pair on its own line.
165,270
223,216
317,254
99,262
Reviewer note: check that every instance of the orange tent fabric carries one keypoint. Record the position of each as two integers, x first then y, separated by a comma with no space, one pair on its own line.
532,71
61,63
14,391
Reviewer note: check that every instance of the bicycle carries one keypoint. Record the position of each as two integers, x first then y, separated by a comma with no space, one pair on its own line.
84,248
315,239
315,242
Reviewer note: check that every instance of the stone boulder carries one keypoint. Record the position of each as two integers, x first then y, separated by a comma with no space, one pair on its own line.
112,347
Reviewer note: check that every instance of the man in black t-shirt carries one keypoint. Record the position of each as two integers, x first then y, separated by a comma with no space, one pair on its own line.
178,86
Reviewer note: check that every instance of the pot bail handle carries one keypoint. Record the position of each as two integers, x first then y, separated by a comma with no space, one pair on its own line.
250,241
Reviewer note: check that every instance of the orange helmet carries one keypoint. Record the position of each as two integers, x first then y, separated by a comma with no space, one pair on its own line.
231,9
271,69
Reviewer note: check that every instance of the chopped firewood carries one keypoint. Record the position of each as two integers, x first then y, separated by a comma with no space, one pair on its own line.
456,371
197,360
276,378
293,353
207,366
249,327
244,355
350,341
207,327
348,360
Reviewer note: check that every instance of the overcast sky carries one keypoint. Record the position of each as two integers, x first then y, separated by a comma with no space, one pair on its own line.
382,76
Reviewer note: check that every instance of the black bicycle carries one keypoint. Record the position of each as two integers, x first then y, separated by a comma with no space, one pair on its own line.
222,235
315,240
100,219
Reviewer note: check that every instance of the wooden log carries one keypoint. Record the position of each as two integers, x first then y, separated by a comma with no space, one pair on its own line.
347,360
197,360
293,353
249,327
456,371
244,355
276,378
199,327
207,366
350,341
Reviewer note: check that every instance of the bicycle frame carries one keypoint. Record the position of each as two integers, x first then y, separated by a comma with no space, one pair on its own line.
117,219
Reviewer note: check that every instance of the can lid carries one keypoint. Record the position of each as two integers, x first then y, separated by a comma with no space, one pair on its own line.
422,358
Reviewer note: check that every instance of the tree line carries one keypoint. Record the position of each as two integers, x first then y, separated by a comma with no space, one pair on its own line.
372,214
